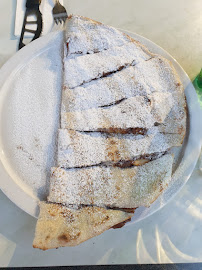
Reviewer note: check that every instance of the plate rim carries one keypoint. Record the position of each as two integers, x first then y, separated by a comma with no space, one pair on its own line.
30,51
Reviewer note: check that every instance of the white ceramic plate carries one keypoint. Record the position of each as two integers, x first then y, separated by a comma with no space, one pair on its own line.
30,85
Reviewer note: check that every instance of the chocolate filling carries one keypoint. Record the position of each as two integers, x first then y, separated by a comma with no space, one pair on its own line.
137,161
120,225
73,206
107,74
117,226
135,131
89,52
103,75
113,103
128,210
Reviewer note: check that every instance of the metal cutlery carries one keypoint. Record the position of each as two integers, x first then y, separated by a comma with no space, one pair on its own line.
59,13
32,8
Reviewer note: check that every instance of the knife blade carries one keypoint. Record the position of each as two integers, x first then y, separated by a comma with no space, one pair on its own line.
32,8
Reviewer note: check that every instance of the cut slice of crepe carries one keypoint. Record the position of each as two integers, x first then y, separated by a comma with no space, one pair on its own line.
134,112
159,74
102,92
60,226
167,80
124,116
95,56
86,36
111,186
85,68
154,75
77,149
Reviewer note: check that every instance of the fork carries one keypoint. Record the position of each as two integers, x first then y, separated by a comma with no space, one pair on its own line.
59,13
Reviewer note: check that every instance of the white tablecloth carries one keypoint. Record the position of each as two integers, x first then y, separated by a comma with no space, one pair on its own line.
174,233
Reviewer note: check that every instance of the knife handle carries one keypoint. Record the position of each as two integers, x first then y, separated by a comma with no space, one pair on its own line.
33,3
36,32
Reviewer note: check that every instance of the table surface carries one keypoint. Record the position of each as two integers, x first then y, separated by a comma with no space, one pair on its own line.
172,234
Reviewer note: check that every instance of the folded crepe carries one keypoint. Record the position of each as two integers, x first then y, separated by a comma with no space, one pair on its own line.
78,149
114,89
60,226
112,186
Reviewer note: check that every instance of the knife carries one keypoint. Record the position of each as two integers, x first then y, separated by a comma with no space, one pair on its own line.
32,8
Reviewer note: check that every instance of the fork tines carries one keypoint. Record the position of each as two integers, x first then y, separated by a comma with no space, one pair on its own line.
59,13
60,18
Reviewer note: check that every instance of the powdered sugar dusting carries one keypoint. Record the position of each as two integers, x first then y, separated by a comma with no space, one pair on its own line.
33,108
86,36
87,67
114,187
130,81
73,147
127,88
134,112
103,91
